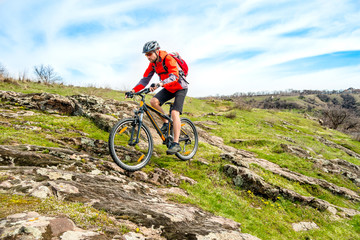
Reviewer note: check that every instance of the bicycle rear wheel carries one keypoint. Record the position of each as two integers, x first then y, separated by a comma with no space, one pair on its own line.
127,154
188,140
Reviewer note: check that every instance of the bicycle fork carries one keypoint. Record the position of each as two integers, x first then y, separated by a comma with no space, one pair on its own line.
137,120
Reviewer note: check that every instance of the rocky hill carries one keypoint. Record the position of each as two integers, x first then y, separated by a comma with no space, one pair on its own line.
57,180
336,109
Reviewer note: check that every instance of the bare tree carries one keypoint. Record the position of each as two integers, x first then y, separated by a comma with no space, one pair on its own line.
23,76
352,123
46,74
2,70
335,116
349,102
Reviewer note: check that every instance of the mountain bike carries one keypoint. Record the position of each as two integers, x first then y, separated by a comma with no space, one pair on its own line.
131,144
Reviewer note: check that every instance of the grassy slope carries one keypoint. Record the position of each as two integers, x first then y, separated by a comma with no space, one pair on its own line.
261,130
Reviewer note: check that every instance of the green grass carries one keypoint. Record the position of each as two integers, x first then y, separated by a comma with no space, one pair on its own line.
52,128
85,217
215,193
262,132
11,204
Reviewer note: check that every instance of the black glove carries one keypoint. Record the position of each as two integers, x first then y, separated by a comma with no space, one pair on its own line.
129,94
155,85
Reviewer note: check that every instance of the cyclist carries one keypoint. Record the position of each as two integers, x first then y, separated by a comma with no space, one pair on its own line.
173,87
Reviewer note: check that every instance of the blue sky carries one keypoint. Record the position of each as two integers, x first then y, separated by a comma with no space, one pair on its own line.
230,46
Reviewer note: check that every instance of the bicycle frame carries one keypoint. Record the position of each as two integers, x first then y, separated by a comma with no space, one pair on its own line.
139,114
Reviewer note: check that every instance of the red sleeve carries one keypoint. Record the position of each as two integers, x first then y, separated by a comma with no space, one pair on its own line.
149,72
149,69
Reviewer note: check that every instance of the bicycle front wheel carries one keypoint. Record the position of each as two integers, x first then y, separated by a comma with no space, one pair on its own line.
188,140
125,150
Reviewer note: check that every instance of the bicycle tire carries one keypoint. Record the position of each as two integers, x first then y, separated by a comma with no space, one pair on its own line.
130,158
188,138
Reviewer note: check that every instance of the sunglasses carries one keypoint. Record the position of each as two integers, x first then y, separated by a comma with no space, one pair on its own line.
148,53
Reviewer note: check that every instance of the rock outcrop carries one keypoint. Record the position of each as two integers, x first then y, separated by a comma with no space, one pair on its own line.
304,226
32,225
44,172
247,179
103,112
338,146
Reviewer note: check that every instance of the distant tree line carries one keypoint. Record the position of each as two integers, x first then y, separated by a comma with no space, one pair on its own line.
288,92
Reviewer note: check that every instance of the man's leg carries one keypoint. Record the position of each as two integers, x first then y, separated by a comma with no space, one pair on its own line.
175,115
177,110
175,147
155,103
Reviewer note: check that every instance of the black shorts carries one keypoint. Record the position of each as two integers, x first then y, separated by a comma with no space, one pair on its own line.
164,96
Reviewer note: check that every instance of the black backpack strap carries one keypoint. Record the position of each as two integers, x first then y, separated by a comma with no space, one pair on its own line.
181,72
163,63
164,66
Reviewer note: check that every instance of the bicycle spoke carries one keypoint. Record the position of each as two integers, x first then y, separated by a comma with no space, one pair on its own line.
188,140
130,147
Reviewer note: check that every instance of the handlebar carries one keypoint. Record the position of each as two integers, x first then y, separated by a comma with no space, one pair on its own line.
131,94
144,91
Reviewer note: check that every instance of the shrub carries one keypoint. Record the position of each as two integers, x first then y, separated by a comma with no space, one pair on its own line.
323,97
356,136
241,105
335,101
335,116
231,115
310,100
277,103
349,101
10,80
277,149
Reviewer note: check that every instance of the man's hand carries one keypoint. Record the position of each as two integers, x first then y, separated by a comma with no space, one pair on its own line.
154,86
129,94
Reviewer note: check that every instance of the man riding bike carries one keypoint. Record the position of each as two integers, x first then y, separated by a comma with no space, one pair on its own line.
174,86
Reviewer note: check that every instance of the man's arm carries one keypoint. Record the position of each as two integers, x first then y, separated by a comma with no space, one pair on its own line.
146,79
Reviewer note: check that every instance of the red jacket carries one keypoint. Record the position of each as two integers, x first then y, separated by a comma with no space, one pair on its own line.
170,78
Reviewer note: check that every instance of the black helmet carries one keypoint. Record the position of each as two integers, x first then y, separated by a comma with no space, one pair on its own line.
151,46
